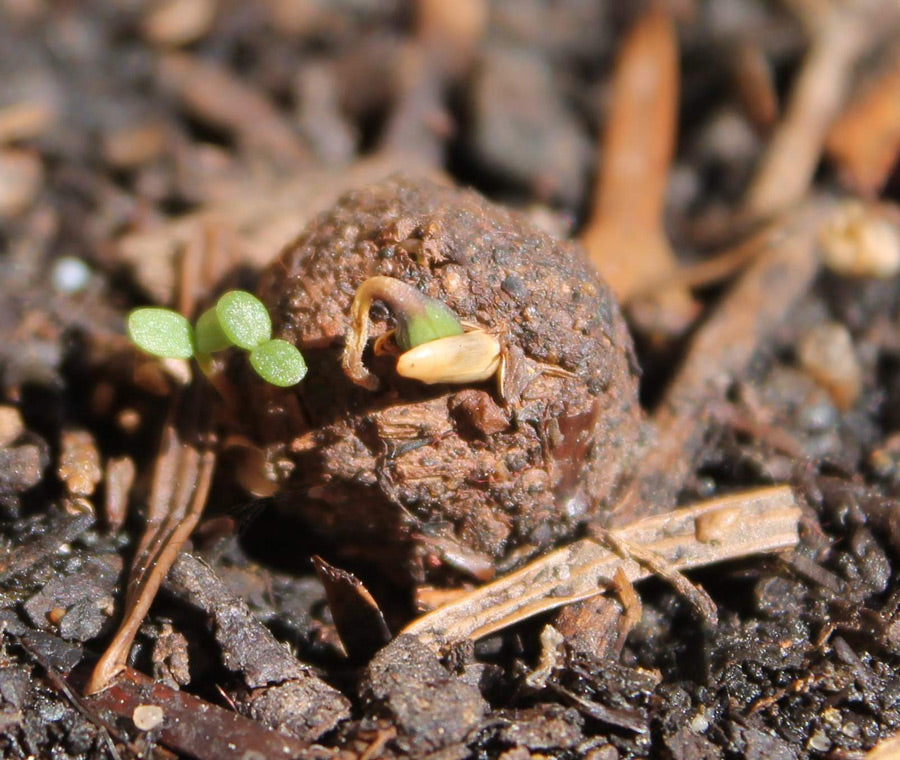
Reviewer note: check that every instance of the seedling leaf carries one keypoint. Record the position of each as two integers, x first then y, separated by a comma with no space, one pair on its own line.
244,319
161,332
209,334
278,362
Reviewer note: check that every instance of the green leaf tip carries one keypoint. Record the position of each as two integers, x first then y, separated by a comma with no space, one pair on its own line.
434,321
278,362
244,319
161,332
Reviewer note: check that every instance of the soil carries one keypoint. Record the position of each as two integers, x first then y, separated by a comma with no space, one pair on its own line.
163,151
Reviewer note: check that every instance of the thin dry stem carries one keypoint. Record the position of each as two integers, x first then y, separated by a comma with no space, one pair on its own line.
763,520
719,353
625,236
180,486
785,173
864,141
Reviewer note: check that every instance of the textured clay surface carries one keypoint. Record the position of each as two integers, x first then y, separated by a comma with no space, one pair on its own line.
421,478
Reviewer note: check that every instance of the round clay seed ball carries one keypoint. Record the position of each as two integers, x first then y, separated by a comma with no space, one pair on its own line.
426,480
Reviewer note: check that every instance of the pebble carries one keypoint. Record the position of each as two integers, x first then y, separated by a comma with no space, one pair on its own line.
70,275
147,717
858,242
827,354
11,425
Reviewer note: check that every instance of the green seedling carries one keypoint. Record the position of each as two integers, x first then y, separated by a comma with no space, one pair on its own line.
238,319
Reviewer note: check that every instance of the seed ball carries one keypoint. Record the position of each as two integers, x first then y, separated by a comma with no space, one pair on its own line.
426,479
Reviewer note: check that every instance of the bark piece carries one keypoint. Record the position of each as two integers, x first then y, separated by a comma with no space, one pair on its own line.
429,705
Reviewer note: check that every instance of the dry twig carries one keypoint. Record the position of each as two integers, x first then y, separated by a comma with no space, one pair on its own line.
197,728
625,236
760,521
841,33
864,141
180,486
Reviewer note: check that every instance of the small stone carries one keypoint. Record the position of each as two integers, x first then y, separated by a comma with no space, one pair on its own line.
21,177
147,717
858,242
178,22
819,742
827,354
11,425
70,275
79,462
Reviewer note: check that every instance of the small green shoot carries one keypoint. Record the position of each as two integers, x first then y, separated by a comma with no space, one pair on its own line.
434,321
161,332
238,319
278,362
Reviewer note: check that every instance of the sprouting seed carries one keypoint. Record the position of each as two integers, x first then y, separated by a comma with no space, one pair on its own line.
420,319
468,358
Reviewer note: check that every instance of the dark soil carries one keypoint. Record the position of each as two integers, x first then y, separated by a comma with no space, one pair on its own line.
133,133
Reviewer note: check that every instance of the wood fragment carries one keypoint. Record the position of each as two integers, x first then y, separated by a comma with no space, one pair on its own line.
359,621
178,495
755,86
841,33
768,522
117,482
864,141
268,670
625,237
79,462
197,728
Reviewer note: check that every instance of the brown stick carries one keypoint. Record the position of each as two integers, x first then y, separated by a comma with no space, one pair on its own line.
625,237
764,520
865,140
784,175
176,504
195,728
